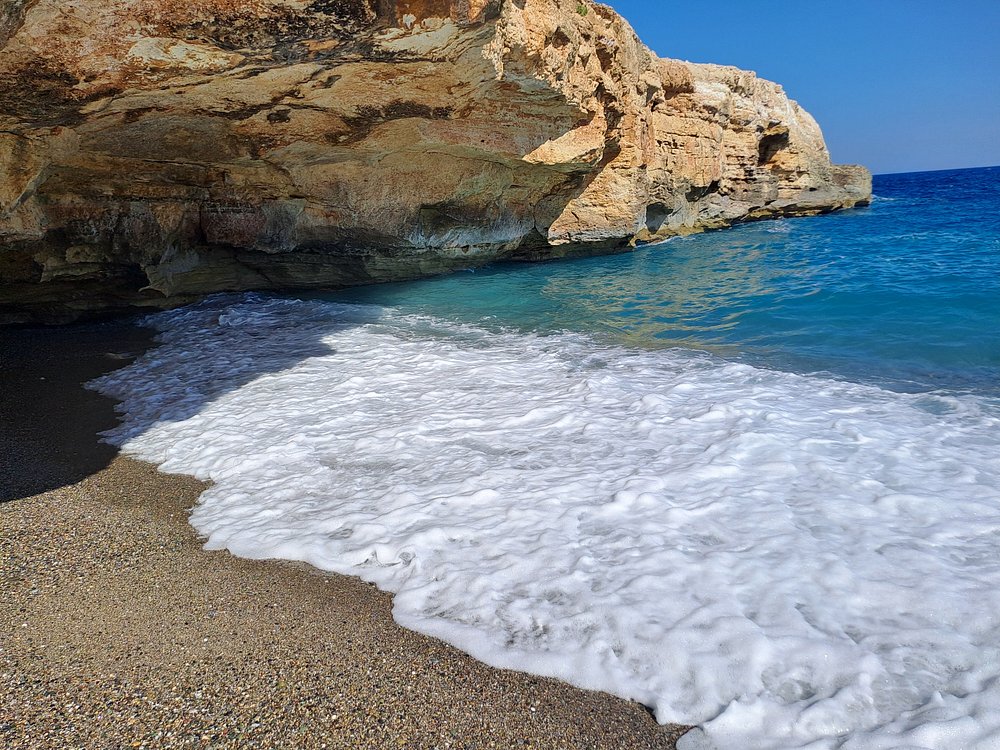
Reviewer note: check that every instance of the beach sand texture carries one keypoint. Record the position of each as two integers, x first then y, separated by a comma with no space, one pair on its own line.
118,630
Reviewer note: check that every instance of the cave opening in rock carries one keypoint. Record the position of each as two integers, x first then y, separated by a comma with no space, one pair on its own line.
769,147
697,192
656,216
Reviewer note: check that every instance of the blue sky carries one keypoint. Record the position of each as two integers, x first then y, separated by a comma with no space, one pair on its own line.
897,85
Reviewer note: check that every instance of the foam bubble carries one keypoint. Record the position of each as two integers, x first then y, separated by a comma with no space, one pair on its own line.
787,561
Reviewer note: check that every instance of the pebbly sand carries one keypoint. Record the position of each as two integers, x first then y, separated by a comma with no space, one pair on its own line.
118,630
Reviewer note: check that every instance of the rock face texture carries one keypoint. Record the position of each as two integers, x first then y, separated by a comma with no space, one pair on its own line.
155,150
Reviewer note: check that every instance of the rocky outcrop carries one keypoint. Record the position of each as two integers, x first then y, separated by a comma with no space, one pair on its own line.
155,150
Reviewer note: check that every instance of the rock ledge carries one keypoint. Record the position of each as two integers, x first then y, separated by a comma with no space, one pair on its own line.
152,151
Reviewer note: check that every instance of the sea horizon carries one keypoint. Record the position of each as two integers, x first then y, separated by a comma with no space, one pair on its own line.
932,171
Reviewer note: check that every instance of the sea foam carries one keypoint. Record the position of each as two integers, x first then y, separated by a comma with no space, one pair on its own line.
787,561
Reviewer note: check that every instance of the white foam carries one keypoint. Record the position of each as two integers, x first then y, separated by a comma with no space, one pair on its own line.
787,561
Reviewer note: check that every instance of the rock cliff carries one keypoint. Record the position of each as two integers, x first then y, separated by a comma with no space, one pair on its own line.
155,150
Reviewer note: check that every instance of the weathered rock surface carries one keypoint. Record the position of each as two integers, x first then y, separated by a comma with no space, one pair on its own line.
155,150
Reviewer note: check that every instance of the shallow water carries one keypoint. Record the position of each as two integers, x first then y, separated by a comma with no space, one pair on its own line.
905,294
750,478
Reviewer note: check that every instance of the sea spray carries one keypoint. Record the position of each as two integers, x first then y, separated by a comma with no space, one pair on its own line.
749,478
785,559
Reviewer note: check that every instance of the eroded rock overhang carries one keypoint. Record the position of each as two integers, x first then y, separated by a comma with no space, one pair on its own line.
152,151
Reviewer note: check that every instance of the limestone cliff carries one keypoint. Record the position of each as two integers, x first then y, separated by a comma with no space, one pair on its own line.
155,150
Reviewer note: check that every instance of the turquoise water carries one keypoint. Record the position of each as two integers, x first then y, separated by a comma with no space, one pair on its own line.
632,473
904,294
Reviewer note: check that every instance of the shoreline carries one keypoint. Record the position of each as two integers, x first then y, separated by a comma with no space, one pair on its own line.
120,630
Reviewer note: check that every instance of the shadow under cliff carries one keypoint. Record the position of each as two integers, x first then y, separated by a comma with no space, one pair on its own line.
51,424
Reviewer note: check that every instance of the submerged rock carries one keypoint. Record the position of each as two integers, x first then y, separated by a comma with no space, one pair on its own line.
155,150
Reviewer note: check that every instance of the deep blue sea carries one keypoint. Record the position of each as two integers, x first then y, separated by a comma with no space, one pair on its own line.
905,293
750,478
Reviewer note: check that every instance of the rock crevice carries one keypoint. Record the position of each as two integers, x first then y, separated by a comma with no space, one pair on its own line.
153,150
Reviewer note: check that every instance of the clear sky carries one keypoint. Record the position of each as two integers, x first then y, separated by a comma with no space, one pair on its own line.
897,85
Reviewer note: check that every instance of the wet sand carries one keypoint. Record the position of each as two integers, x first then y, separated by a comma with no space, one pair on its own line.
118,630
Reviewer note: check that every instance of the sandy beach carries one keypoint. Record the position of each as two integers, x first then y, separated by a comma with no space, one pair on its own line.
118,630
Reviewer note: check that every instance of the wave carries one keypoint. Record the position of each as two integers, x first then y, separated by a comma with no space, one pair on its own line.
787,561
